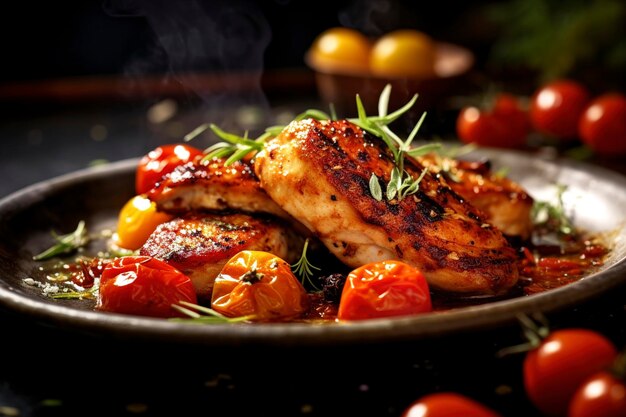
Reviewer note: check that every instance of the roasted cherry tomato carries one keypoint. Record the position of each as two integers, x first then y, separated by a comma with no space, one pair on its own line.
447,404
561,363
603,125
601,395
143,286
259,285
384,289
137,220
556,107
503,124
403,53
160,161
340,49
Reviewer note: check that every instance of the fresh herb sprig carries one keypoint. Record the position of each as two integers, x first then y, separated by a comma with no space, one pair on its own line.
304,268
198,314
553,215
401,183
65,244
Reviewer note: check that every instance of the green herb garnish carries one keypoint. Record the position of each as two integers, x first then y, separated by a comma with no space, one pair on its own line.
198,314
553,216
304,269
65,243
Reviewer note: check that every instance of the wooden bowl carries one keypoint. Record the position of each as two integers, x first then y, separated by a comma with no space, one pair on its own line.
452,63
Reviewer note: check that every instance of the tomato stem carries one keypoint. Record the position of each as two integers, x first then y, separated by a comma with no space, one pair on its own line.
535,329
251,276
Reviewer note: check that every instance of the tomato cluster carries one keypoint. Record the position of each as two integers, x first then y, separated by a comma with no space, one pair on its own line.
570,372
561,111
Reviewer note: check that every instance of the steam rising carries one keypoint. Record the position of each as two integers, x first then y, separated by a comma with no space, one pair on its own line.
203,45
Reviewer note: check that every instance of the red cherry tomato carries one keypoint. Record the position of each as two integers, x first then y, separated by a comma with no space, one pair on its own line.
559,365
600,395
258,284
160,161
384,289
556,107
603,124
144,286
504,125
447,404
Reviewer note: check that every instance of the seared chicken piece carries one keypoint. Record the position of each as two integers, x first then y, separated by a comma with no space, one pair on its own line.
210,185
319,172
199,245
505,203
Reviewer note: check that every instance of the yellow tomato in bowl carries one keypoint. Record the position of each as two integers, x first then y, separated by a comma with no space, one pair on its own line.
340,49
403,53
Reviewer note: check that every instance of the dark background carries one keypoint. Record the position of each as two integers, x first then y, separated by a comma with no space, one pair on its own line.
62,109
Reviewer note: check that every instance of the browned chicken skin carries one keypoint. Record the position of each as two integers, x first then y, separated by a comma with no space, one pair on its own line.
210,185
505,203
319,173
200,244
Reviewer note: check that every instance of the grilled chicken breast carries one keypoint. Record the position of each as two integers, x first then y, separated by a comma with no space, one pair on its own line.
319,173
210,185
505,203
200,244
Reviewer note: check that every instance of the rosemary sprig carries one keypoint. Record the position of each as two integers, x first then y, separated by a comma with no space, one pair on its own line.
304,268
234,147
65,243
198,314
401,183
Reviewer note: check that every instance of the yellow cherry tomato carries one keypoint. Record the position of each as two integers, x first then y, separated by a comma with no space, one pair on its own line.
137,220
403,53
341,49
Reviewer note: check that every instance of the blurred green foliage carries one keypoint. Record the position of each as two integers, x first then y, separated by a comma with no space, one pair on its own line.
561,38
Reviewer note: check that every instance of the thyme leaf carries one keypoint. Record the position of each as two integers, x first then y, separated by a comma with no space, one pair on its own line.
553,216
65,243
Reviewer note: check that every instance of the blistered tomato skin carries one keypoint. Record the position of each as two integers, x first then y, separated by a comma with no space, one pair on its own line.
562,362
137,220
556,108
384,289
161,161
603,125
258,285
143,286
447,404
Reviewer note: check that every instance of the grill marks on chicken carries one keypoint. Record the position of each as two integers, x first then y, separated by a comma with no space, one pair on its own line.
505,203
210,185
200,244
319,173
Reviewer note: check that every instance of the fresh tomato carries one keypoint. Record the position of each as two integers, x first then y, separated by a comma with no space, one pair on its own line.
504,124
403,53
260,285
160,161
136,221
603,124
144,286
560,364
556,107
601,395
340,49
384,289
447,404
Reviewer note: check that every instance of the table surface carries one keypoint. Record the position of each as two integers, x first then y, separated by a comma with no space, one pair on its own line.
49,370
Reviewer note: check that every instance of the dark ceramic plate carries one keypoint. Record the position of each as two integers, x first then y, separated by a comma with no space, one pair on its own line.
595,197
